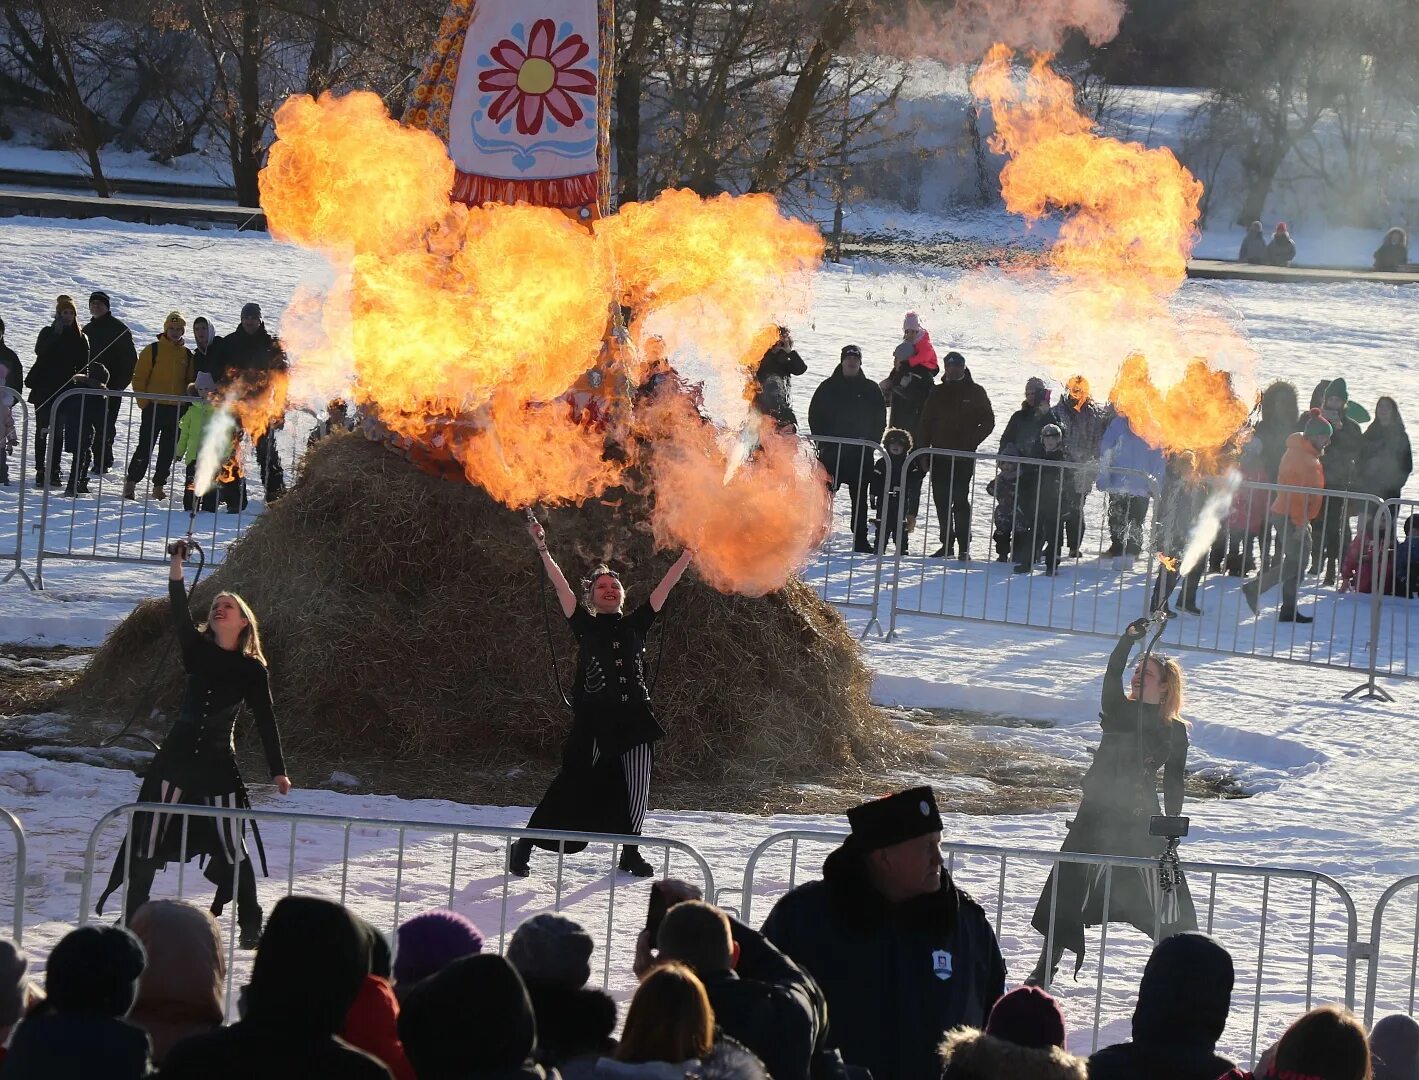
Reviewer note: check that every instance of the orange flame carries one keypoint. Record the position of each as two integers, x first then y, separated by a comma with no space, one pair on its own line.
1130,223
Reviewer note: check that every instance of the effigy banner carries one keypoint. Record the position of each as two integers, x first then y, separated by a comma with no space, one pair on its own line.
520,92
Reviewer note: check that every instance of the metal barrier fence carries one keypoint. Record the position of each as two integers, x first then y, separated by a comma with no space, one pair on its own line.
848,572
17,915
1292,933
1398,598
16,470
1396,993
451,866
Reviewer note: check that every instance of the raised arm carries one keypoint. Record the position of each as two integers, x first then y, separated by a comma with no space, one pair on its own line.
1113,699
565,596
669,581
187,635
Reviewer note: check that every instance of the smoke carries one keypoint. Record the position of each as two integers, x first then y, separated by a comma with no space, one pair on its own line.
962,34
1210,520
216,449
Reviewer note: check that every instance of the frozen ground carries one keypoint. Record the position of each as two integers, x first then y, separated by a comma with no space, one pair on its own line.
1329,782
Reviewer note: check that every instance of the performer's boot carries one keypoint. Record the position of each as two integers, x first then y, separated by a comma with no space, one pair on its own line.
632,863
1038,977
518,859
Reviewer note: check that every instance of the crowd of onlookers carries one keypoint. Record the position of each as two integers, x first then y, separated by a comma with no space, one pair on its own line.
1067,450
1391,256
243,367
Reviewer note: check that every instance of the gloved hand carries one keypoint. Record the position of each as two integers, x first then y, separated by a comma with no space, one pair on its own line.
1137,628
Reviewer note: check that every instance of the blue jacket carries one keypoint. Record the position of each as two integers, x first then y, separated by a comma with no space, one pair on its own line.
1120,449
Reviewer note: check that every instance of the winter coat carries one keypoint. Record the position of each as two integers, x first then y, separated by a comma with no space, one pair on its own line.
574,1027
1122,448
1182,1009
1253,249
1405,563
1343,457
892,480
771,1021
610,1069
1248,510
1272,435
80,418
209,360
846,408
1083,429
896,977
372,1025
52,1045
12,372
1022,430
59,356
906,392
1281,251
1301,467
917,352
957,416
181,991
163,368
111,344
969,1054
773,395
1038,490
270,1051
240,354
1386,460
1391,257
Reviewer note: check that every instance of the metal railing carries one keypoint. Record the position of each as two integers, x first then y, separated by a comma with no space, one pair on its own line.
1246,908
17,916
848,571
1396,600
451,866
16,460
1400,994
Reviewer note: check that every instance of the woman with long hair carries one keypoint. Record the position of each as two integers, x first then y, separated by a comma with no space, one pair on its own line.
669,1027
197,765
1388,459
1143,732
604,783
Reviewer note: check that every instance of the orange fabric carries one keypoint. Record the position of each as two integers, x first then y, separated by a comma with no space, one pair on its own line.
1300,467
372,1025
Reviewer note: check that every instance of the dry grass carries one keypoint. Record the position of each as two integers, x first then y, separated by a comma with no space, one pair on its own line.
402,618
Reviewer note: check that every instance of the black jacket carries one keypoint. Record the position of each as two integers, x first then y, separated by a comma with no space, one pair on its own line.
1342,460
1037,490
1281,250
846,408
957,415
892,480
1022,431
1181,1013
111,344
572,1025
80,417
770,1020
14,370
773,395
59,356
1386,460
76,1046
260,1051
896,978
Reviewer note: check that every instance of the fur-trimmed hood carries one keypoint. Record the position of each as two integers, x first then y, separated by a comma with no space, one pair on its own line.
968,1054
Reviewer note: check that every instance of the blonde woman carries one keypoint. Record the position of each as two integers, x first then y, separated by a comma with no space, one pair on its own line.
1143,732
197,764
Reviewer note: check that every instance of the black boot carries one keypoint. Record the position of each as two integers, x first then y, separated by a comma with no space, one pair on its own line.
1190,598
519,858
632,863
1291,615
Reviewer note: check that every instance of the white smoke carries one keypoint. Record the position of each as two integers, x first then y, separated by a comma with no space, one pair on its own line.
215,450
963,34
1210,520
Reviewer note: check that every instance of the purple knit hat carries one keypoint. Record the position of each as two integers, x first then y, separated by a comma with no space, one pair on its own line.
1027,1016
429,942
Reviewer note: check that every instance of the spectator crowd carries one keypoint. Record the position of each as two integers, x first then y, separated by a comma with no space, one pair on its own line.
884,968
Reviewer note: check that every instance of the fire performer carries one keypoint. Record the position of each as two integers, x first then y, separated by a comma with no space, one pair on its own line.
197,765
604,783
1143,731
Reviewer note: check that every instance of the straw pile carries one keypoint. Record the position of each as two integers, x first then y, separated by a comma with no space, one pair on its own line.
403,619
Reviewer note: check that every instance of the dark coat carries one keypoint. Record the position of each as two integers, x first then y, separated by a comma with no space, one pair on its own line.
892,481
773,394
248,1050
846,408
1342,459
1038,490
896,978
1391,257
968,1054
80,418
111,344
59,356
76,1046
1386,460
241,353
1281,250
957,415
1022,430
1253,249
1181,1012
909,389
771,1021
573,1026
1179,509
13,369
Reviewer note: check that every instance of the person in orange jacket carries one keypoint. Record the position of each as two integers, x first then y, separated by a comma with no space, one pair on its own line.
1292,513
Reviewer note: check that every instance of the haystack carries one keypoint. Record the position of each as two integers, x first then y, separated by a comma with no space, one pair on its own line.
403,617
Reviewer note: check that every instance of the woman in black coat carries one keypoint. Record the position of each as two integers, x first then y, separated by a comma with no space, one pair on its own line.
197,766
1143,732
604,783
1387,459
61,352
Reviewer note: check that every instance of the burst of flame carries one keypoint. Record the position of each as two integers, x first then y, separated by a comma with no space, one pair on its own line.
1169,562
1130,221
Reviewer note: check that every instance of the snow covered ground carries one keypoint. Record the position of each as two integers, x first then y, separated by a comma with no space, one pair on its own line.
1329,782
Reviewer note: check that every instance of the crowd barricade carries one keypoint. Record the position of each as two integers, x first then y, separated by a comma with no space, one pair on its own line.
1389,989
1292,933
1396,602
383,869
1003,528
12,549
849,567
21,869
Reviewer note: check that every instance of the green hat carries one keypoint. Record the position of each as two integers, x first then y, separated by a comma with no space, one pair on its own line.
1337,388
1317,424
1357,412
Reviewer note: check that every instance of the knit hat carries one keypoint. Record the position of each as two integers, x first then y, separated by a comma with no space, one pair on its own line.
174,317
65,301
1281,226
954,358
1394,1042
553,950
1034,384
431,941
205,382
894,819
1027,1016
1316,425
251,309
13,982
94,969
98,296
912,323
1051,431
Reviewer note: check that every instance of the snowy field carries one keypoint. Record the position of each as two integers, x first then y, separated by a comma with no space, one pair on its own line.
1330,782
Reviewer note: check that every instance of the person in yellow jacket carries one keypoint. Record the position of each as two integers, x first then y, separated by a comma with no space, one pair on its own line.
164,367
1292,513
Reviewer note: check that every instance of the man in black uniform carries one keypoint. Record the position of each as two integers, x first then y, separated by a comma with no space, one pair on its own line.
902,954
253,365
110,344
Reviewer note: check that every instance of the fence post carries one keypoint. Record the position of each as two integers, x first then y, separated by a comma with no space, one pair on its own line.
1369,690
9,399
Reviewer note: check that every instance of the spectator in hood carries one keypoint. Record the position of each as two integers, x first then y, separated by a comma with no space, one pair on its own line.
1386,458
1127,461
669,1028
471,1020
1280,418
773,380
1253,245
1023,1040
165,367
78,1031
957,416
1394,1048
17,993
908,386
575,1022
111,344
429,942
1083,421
61,352
1327,1043
896,489
253,366
849,405
1282,249
307,973
1022,430
1393,255
183,986
1331,536
903,955
1182,1008
1039,494
206,351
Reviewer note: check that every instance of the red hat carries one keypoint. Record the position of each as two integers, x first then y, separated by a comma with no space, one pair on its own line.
1027,1016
